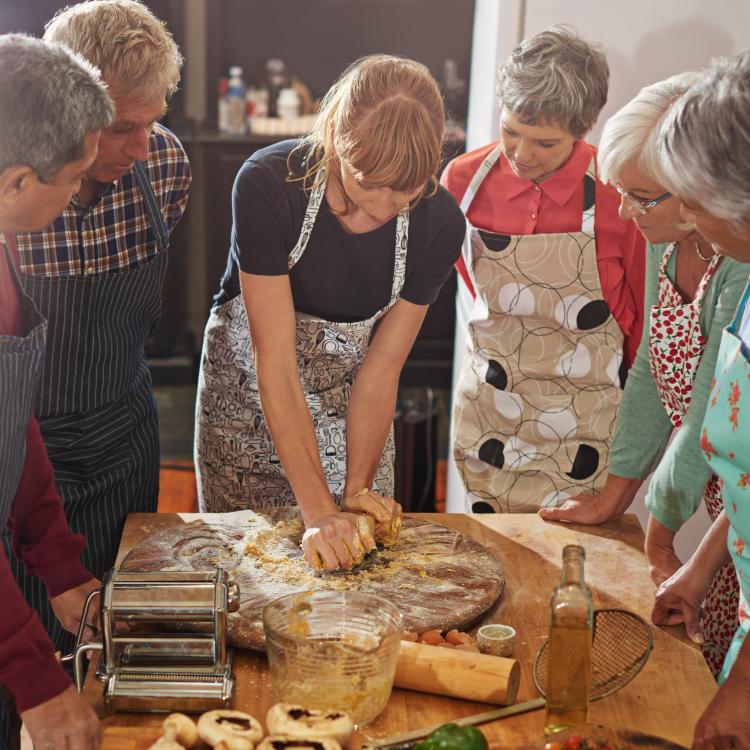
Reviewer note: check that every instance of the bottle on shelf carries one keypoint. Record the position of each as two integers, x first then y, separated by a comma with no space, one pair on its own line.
570,636
236,102
257,102
277,78
221,111
288,103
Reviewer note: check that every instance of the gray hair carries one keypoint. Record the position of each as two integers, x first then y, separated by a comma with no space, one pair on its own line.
50,100
134,50
632,133
704,142
555,77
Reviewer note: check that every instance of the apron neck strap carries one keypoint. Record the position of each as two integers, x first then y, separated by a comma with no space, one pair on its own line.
589,198
739,312
313,206
476,181
707,276
402,243
152,207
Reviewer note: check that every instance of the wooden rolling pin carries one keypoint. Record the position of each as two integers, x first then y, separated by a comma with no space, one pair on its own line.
458,674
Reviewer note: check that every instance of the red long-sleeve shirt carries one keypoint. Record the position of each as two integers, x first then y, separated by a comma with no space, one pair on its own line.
42,540
507,204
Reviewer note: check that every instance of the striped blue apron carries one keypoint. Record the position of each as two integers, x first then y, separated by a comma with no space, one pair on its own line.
21,359
96,408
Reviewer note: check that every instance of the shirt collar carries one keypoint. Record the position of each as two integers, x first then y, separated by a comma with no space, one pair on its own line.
104,189
560,186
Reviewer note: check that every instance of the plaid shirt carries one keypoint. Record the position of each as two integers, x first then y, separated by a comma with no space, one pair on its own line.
114,233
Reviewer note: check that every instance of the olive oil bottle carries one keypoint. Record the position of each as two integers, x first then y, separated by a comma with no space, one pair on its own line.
570,632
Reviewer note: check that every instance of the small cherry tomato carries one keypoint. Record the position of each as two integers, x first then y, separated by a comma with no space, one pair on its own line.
431,637
573,743
553,746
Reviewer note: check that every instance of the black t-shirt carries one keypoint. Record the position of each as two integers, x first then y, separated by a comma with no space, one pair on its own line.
340,277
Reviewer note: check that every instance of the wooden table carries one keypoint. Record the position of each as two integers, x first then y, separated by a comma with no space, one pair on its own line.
665,699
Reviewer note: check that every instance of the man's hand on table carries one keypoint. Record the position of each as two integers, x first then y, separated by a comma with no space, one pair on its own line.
66,722
725,723
68,608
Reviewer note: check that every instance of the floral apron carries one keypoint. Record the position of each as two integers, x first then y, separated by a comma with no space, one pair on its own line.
725,441
237,464
537,398
676,346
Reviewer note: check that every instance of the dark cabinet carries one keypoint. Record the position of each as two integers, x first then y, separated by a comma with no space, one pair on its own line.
199,244
222,161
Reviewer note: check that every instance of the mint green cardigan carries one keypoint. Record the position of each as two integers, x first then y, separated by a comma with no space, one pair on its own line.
641,443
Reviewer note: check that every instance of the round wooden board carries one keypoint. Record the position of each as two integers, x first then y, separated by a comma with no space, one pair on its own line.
437,577
618,738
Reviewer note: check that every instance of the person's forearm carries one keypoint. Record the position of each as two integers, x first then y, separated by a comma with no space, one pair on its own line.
371,411
658,535
712,552
291,428
28,667
621,491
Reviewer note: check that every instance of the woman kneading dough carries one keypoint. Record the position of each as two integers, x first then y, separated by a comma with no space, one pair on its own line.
340,242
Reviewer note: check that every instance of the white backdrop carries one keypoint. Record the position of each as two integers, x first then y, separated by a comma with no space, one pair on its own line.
645,41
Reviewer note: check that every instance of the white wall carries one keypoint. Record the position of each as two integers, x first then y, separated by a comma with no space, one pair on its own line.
498,27
645,41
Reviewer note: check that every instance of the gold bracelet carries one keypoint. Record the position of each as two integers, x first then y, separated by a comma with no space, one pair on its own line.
363,491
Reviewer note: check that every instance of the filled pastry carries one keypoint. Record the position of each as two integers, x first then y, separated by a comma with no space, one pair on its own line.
275,742
229,730
291,721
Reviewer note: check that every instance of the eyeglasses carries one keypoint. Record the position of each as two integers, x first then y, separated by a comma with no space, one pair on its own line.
642,206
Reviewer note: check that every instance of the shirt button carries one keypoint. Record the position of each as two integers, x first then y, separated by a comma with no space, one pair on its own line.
89,269
533,216
537,188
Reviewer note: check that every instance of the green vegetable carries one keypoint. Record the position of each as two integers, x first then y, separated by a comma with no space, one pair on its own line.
454,737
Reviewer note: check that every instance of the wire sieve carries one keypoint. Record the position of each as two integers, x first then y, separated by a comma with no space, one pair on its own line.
622,642
621,645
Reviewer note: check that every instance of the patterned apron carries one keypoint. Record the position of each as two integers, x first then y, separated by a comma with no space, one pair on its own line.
237,464
96,408
676,346
538,394
21,360
725,441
